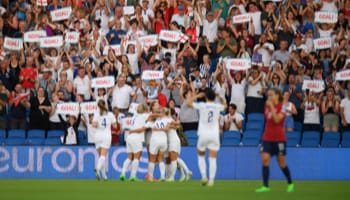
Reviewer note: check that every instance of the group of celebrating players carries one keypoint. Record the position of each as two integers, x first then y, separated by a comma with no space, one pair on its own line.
156,127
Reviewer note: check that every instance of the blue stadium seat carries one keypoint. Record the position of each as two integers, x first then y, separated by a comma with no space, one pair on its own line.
55,133
55,141
2,134
311,139
82,137
293,138
255,126
298,126
192,137
346,139
231,138
252,117
251,138
35,141
35,133
15,141
191,134
16,133
122,139
192,141
81,134
330,139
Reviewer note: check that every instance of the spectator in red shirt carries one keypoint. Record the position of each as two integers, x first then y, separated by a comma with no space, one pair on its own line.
193,31
158,23
162,100
28,75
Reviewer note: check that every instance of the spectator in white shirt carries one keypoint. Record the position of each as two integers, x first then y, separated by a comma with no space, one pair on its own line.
345,112
81,84
147,14
233,120
180,18
122,94
101,12
210,26
264,48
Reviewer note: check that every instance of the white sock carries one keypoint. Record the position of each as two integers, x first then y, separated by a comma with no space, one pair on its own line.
134,167
103,167
125,166
173,166
167,171
183,165
162,170
150,170
202,166
212,168
100,162
181,170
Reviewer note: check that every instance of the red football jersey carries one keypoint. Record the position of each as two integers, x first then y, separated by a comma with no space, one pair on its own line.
28,72
274,132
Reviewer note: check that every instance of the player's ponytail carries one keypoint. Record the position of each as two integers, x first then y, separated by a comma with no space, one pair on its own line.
102,106
278,93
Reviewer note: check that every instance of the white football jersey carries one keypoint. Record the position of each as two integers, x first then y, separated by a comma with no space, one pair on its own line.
160,123
209,114
104,122
135,122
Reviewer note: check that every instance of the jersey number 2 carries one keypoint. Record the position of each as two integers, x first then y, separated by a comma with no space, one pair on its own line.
210,116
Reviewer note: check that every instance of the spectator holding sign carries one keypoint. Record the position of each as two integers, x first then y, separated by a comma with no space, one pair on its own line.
71,129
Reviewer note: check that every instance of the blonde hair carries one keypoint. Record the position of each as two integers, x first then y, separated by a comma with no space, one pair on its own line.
167,111
142,108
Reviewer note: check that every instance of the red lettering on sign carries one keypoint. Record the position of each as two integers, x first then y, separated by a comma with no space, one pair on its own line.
312,85
102,82
62,13
34,35
169,35
11,43
323,42
345,74
68,107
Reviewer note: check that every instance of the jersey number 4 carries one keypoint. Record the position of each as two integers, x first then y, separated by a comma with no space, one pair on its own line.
104,123
210,116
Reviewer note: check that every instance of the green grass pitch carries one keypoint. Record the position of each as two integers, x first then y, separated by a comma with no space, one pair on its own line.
237,190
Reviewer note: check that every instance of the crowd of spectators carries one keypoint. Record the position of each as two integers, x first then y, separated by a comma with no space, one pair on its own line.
281,33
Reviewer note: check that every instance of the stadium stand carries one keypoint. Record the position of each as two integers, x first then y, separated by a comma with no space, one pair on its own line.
231,138
330,139
311,139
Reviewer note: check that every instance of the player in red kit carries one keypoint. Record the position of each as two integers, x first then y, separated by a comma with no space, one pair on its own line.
274,139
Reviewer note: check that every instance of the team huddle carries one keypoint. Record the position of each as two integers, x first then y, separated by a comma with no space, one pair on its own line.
156,128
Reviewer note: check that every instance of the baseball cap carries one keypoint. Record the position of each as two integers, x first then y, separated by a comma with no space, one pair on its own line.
181,7
46,70
210,13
